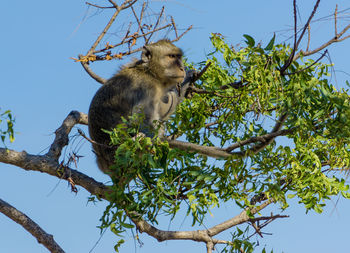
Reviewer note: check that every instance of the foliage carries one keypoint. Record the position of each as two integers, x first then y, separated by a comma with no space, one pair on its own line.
151,178
6,129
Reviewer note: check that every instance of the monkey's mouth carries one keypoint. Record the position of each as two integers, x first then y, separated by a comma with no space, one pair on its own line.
175,77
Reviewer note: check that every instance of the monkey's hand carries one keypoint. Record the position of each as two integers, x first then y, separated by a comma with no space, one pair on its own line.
190,77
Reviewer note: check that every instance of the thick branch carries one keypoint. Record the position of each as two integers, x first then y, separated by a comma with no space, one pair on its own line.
29,225
204,150
48,165
62,132
199,235
239,219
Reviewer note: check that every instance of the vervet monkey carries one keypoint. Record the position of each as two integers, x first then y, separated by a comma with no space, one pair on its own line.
150,86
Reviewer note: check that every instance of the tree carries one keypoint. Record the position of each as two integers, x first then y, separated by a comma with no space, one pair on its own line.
245,98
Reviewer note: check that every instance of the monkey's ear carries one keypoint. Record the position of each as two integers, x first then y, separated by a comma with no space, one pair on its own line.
146,54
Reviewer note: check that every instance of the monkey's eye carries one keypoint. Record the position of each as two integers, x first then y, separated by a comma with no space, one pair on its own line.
172,56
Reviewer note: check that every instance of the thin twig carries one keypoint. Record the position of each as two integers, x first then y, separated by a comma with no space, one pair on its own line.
182,34
100,7
296,43
175,29
308,37
136,37
336,39
139,21
262,139
92,141
92,74
155,26
301,70
335,20
114,4
99,38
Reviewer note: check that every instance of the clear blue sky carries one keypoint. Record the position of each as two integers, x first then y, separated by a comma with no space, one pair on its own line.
41,85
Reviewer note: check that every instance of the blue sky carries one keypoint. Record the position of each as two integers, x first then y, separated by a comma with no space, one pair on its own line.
41,85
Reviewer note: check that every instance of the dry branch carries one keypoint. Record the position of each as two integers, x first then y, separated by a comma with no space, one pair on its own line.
129,39
32,227
61,133
297,41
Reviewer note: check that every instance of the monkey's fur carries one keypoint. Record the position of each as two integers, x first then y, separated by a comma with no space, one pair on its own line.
147,86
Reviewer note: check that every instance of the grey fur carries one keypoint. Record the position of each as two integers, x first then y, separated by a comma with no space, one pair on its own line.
147,85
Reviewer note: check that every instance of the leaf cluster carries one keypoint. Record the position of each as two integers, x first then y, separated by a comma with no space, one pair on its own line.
6,126
245,96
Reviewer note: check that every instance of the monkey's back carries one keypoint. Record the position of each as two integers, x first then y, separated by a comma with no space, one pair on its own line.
114,100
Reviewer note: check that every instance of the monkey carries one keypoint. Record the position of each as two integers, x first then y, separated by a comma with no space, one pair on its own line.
153,85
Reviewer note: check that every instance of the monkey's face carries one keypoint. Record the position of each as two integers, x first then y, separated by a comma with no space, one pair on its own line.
165,62
174,71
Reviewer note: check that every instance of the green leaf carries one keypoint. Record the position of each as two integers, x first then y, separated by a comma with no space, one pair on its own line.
250,41
271,43
117,246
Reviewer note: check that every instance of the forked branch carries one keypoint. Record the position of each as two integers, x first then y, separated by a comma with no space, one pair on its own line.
49,164
129,39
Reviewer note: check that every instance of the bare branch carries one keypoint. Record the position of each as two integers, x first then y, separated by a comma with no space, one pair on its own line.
114,4
32,227
175,29
239,219
91,73
301,70
262,138
335,20
204,150
272,217
182,34
337,38
99,38
100,7
139,20
157,22
257,148
135,37
45,164
199,235
307,24
128,4
308,37
296,43
61,140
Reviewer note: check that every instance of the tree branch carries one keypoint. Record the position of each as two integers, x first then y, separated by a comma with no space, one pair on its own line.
262,139
337,38
239,219
49,164
99,38
32,227
62,132
297,41
214,152
92,74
